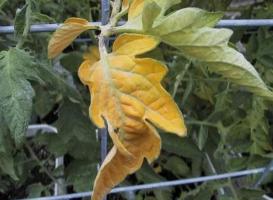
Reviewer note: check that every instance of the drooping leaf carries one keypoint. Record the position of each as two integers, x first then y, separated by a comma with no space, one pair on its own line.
16,68
68,32
126,92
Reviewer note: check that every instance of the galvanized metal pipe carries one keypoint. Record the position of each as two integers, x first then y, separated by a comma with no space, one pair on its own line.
223,23
164,184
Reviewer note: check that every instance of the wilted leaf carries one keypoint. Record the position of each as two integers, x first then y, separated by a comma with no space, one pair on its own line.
68,32
126,92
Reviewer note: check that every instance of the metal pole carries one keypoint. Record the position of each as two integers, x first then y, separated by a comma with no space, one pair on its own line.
264,175
105,14
164,184
248,23
105,10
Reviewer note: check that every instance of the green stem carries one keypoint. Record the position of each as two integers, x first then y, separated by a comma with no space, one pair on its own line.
117,17
179,79
33,155
201,123
234,193
27,26
116,8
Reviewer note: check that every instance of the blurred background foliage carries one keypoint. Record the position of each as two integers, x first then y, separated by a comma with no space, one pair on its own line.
229,128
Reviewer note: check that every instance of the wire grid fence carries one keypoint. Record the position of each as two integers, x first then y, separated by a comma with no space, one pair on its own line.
59,191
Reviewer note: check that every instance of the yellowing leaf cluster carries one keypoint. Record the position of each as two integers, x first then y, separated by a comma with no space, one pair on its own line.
126,95
126,92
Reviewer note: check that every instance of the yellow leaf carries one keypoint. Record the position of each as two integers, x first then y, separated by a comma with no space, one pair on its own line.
134,44
117,166
92,54
125,4
127,94
135,9
64,35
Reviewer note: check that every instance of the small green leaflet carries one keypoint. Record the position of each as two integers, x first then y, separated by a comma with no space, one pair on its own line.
16,68
22,20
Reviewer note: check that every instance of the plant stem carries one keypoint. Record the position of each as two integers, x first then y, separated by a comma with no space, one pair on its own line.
117,17
179,79
234,193
116,8
33,155
27,26
201,123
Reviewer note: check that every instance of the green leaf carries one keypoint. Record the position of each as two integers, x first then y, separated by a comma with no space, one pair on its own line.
165,5
73,122
251,194
2,3
22,20
185,19
71,61
39,17
76,135
149,14
226,61
35,190
148,175
202,137
81,173
44,101
181,146
177,166
16,68
7,166
54,81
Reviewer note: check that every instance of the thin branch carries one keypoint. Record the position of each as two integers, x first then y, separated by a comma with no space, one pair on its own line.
33,155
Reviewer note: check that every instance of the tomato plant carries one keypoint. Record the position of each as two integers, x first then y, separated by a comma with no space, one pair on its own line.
225,98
